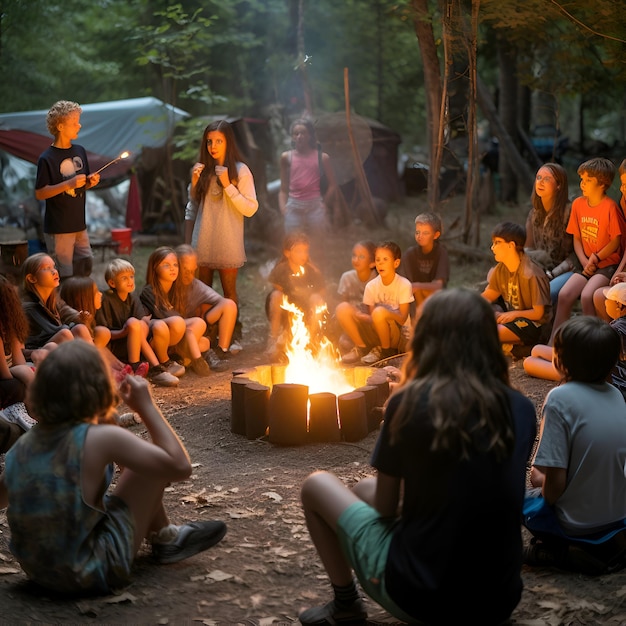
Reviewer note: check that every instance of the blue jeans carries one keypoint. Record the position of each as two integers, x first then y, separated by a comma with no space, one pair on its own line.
555,287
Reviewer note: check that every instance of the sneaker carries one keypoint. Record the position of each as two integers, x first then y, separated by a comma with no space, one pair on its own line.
538,554
157,375
174,368
354,356
142,369
373,356
235,347
126,420
17,414
189,539
332,614
215,363
9,433
200,367
222,354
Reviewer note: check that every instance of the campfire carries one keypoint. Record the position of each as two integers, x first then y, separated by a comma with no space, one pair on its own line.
311,398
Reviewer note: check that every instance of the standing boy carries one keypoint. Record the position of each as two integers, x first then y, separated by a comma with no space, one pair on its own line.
426,265
388,298
596,227
578,469
124,315
518,287
62,178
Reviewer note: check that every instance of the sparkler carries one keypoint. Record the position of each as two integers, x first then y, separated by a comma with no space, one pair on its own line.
124,155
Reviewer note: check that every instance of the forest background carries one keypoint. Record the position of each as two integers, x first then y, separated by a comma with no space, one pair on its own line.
459,80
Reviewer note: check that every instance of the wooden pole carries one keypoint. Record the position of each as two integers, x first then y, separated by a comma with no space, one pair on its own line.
361,180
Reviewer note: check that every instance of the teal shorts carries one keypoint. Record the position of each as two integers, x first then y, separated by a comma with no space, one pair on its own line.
365,538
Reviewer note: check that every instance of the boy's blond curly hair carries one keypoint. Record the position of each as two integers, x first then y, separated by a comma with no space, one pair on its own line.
58,112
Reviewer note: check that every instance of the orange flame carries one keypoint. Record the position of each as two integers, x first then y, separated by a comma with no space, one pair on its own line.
320,371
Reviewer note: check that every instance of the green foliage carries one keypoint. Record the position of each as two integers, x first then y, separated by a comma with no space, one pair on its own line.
239,57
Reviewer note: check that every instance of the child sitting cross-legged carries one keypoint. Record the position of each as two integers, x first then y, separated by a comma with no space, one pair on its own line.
518,288
388,298
297,279
72,536
125,316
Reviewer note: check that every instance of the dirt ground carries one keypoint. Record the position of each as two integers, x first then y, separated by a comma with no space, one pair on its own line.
266,570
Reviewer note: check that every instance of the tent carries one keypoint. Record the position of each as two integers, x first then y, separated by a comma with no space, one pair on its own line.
108,129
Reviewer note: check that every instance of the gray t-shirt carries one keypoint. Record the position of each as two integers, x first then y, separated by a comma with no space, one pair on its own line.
584,431
199,293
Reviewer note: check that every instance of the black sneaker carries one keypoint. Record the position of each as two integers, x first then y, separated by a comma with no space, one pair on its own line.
192,538
538,554
222,354
215,363
332,614
200,367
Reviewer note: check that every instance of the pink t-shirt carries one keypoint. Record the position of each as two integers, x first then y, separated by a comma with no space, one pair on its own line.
596,227
304,176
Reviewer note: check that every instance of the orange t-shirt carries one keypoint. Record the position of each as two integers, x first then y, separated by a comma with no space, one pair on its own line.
596,227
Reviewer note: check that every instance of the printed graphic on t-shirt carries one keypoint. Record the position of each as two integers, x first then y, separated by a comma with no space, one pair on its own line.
513,299
69,168
589,229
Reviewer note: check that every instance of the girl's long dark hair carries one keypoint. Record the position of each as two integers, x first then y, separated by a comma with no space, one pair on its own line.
233,155
78,292
553,223
164,300
457,367
13,320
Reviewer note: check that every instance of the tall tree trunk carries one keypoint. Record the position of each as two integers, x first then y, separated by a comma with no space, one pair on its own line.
521,170
302,62
432,84
508,116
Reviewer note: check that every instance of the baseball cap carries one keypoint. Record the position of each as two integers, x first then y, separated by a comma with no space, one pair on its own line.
617,292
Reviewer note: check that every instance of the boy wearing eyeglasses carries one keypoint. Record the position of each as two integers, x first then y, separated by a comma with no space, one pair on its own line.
518,288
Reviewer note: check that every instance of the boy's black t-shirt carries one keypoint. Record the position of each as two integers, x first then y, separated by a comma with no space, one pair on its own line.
65,212
425,268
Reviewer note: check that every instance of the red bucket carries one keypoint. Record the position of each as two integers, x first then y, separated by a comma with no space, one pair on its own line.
124,236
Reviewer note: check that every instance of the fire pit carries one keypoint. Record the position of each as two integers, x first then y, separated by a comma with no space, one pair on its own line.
312,398
264,404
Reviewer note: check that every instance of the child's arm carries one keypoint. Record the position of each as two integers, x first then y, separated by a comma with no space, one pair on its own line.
164,458
387,495
284,183
554,483
490,294
607,251
49,191
534,314
580,253
5,372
